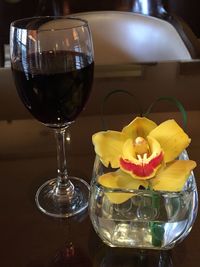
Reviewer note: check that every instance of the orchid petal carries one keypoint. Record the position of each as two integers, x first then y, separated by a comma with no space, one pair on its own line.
120,180
108,145
140,126
154,146
172,138
173,176
128,151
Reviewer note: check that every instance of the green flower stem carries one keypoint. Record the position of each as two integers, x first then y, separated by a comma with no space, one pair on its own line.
157,232
157,229
173,100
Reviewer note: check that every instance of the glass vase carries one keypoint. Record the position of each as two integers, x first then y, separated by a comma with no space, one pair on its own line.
148,219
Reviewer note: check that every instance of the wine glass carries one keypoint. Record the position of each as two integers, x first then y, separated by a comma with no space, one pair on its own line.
52,65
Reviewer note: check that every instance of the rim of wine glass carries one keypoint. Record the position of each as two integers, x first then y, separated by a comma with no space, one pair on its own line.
20,21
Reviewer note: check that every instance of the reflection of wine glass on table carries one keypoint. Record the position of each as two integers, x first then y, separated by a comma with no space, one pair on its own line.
52,65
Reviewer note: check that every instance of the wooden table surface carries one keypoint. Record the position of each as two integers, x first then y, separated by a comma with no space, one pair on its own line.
28,158
30,238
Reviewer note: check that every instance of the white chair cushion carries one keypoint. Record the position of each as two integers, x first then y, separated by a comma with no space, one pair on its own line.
123,37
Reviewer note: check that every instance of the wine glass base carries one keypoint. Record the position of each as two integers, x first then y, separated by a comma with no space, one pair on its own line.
64,207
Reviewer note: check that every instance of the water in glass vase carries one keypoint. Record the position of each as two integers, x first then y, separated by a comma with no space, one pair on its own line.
149,219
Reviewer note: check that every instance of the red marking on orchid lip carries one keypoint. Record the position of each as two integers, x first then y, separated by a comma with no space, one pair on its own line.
142,170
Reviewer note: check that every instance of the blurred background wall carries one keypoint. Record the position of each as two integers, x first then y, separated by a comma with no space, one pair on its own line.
11,10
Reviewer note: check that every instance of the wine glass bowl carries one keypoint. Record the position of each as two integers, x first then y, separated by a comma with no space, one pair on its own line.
52,65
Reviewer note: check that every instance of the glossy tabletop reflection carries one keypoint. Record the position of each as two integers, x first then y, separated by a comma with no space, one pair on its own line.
28,158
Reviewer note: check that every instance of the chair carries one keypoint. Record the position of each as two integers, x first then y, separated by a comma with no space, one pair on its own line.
123,37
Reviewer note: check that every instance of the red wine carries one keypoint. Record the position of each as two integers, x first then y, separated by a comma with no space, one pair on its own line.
54,86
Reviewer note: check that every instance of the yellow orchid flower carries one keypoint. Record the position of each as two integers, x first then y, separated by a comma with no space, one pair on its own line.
145,154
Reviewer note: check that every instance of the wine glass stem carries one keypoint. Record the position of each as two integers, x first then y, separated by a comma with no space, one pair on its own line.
64,185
